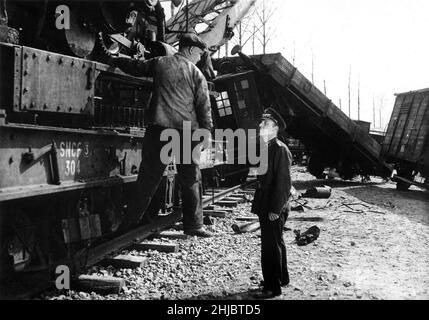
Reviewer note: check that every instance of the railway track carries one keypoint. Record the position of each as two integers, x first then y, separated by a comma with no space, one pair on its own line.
30,284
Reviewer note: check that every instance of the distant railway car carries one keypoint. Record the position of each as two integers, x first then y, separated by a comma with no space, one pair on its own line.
406,144
298,150
377,135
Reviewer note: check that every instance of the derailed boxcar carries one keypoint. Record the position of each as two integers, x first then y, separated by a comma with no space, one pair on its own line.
406,143
332,138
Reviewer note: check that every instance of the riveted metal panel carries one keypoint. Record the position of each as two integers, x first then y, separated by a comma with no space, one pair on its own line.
81,156
17,78
56,83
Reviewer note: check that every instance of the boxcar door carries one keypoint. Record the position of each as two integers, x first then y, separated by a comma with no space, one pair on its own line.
247,108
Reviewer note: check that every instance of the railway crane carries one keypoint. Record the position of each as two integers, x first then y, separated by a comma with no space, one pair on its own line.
71,126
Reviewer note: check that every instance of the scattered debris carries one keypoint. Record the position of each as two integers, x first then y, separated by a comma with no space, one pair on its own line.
298,208
318,192
307,237
221,267
246,227
307,219
375,211
99,284
248,218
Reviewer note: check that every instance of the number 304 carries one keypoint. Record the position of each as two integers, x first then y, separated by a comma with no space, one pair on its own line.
72,167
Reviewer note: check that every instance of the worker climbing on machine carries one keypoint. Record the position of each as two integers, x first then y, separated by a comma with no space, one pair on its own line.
180,95
271,204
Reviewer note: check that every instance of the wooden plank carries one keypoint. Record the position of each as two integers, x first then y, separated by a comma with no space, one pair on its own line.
246,227
227,210
160,247
249,218
236,199
215,213
172,235
125,262
418,184
225,203
99,252
98,284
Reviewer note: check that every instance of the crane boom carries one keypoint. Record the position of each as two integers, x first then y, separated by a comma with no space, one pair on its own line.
215,18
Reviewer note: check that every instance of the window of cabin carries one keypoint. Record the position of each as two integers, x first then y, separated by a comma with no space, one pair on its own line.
242,90
223,104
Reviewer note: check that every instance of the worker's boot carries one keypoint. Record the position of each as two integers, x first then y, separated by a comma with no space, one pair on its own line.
199,233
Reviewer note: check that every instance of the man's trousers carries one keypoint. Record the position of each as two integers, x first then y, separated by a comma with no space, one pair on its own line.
273,253
150,175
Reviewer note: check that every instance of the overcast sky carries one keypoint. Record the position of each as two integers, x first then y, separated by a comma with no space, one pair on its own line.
384,41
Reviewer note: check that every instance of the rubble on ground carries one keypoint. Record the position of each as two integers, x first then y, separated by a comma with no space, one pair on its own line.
369,248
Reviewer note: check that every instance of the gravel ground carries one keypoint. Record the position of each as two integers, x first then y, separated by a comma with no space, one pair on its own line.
374,244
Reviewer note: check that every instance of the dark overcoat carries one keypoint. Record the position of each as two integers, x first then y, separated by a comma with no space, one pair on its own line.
273,191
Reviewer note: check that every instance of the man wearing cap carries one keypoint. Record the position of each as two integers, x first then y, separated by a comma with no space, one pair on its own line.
180,95
271,204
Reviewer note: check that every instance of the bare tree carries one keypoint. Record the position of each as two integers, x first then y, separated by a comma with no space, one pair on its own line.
349,91
264,14
256,27
246,30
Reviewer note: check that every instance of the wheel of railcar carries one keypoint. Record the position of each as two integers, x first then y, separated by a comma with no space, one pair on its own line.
407,174
114,216
316,166
110,203
6,258
19,243
347,173
402,186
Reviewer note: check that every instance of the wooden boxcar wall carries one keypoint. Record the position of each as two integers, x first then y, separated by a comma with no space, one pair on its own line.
407,136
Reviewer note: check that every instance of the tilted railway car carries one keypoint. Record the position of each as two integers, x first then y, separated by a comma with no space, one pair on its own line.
406,144
332,139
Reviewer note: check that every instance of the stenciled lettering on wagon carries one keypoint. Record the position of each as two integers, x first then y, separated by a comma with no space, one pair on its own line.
73,151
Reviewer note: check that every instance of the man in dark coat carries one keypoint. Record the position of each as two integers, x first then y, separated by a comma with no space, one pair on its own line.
180,96
271,204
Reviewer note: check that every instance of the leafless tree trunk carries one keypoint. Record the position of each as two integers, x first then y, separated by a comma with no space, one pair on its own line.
264,14
253,39
256,27
245,30
312,66
350,74
358,98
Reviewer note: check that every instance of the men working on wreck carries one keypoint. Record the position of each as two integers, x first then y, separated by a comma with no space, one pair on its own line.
271,204
180,95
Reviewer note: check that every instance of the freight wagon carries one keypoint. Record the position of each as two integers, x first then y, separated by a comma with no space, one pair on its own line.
330,136
406,144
